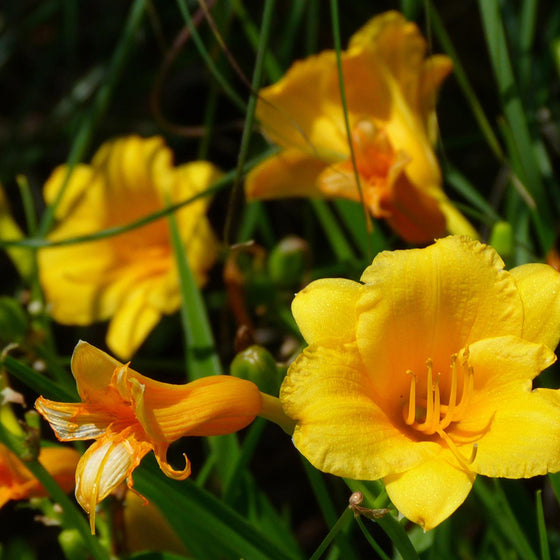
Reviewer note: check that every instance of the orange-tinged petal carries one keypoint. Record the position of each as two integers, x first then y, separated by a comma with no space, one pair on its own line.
430,492
74,421
61,464
93,369
430,303
291,172
209,406
539,286
325,310
341,427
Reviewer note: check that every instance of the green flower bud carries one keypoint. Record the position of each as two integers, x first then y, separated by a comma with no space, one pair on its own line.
288,262
256,364
501,239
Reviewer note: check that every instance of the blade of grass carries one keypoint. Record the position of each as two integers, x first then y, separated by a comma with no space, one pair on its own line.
376,497
327,507
203,51
543,537
82,140
338,50
344,518
380,552
500,515
334,233
209,528
266,25
464,83
516,119
36,242
38,382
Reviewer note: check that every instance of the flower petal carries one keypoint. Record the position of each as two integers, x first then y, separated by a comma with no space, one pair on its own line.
93,369
291,172
325,310
209,406
105,465
303,109
539,286
73,421
340,426
516,430
430,492
430,303
133,320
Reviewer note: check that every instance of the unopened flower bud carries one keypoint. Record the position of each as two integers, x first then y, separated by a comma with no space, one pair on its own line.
288,262
256,364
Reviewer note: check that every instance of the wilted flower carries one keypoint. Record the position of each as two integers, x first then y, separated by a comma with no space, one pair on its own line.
421,375
129,278
391,88
18,483
130,415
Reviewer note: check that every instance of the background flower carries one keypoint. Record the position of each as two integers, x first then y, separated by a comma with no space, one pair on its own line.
390,89
129,278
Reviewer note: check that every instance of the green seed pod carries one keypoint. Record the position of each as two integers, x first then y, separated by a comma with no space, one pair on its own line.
502,239
256,364
288,262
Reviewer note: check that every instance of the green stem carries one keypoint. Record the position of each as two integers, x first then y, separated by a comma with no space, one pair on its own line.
341,522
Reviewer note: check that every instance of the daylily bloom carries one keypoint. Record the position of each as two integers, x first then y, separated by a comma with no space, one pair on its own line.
130,415
390,88
10,231
421,375
129,278
17,482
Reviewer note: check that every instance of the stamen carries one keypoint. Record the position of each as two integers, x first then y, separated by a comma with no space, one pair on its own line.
411,416
468,385
435,417
453,448
448,418
428,421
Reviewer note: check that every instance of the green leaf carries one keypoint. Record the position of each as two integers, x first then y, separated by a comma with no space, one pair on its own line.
209,528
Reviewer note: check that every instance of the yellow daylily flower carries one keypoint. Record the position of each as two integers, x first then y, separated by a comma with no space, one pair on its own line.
390,89
129,278
18,483
421,375
10,231
130,415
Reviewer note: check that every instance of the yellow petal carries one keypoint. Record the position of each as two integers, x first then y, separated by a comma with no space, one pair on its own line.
303,109
430,303
210,406
74,279
341,427
325,310
133,321
61,464
430,492
539,286
291,172
455,222
93,369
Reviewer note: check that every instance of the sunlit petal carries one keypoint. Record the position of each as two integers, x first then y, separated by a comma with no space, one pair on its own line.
539,286
321,322
430,492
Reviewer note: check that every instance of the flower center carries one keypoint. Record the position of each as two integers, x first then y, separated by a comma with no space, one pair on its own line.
428,414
